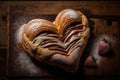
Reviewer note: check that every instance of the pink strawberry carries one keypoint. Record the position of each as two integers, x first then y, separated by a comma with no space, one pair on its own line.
104,48
90,62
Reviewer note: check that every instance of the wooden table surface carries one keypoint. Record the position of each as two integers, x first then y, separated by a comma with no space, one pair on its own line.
104,19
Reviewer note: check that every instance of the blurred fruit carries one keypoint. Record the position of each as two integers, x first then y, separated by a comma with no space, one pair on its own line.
90,62
104,48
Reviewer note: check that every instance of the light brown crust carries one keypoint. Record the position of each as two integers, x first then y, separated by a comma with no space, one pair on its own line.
31,38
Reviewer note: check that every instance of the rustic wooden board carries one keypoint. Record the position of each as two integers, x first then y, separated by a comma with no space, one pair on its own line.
20,64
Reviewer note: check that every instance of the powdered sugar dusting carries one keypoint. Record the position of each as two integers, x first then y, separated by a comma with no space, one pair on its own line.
18,34
35,26
25,62
72,14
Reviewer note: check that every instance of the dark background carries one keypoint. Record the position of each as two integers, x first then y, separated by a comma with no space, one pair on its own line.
102,12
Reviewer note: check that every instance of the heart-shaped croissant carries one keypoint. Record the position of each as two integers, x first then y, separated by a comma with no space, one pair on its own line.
59,43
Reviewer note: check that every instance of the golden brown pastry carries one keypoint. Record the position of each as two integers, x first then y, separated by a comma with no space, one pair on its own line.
59,43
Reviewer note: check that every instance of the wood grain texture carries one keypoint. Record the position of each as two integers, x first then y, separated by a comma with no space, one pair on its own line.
3,24
104,19
92,8
53,7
